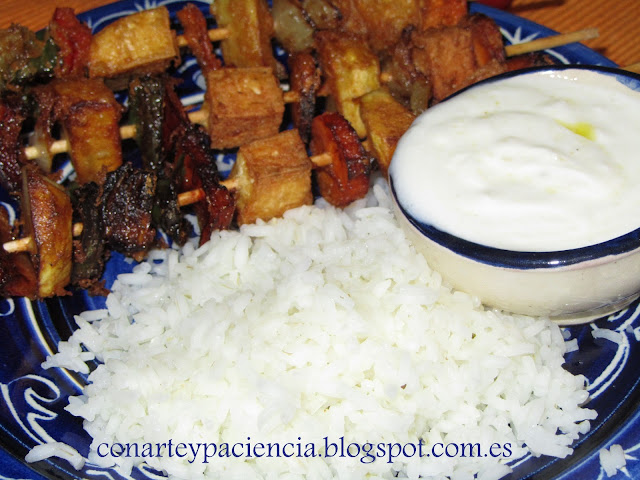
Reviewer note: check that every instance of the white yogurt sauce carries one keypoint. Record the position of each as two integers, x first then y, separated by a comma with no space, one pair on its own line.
539,162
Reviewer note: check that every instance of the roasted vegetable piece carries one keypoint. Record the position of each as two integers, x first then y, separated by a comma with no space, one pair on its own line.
17,276
127,203
291,27
89,250
46,216
243,104
322,14
23,58
304,77
216,209
136,44
273,176
386,121
407,85
167,214
527,60
12,115
73,40
146,112
347,177
349,18
89,114
197,37
250,28
351,69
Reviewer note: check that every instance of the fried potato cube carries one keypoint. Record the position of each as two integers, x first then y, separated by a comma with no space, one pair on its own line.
386,121
351,69
273,175
90,115
250,26
139,43
47,215
243,105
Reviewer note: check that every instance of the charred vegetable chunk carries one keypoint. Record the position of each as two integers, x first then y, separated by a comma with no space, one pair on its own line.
127,204
139,43
17,276
167,214
73,40
244,104
89,250
197,37
273,175
12,115
23,58
347,177
305,81
146,112
47,215
215,211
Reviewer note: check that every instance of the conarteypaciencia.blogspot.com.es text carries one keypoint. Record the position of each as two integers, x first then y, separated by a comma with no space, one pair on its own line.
365,452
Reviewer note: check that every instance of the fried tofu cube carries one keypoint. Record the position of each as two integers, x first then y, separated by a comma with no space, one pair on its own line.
385,20
454,57
273,175
242,105
90,115
139,43
441,13
351,69
386,121
250,27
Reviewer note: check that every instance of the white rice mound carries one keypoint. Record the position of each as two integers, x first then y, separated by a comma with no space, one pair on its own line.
325,323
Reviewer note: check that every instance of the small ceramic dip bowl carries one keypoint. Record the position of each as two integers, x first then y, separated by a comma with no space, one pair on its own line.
524,190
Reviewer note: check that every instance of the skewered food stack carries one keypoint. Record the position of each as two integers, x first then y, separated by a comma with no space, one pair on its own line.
336,48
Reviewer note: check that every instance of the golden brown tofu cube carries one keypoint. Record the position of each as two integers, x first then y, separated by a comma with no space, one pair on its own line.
385,20
47,215
90,116
142,42
273,175
351,70
242,104
441,13
386,121
250,28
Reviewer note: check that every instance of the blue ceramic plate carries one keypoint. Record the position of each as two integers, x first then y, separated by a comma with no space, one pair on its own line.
32,400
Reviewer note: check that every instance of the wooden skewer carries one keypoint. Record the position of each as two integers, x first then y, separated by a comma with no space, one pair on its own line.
551,42
27,244
634,67
129,131
215,35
